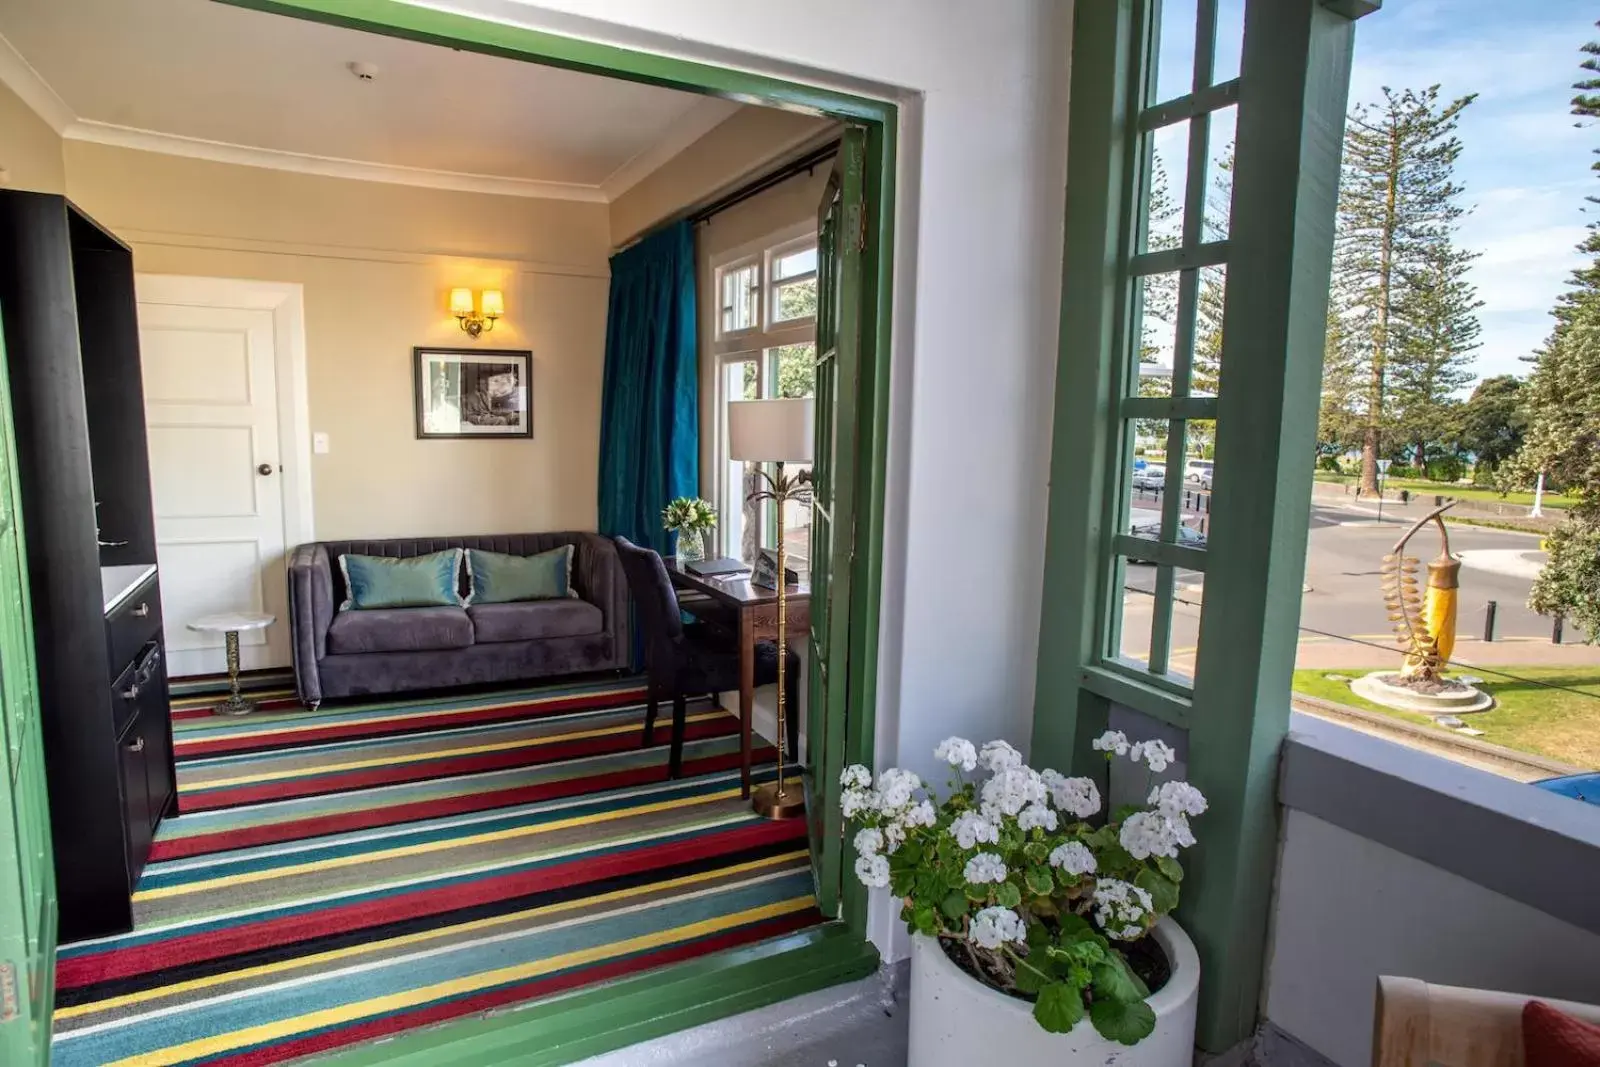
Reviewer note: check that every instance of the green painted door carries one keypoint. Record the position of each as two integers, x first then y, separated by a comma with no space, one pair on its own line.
27,882
841,238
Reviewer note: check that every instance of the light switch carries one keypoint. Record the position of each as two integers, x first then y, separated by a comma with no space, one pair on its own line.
319,443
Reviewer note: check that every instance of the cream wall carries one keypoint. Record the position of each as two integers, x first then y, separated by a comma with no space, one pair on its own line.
377,262
30,151
732,152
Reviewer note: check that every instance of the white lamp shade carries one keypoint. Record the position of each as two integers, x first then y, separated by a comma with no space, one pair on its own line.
494,304
461,301
771,431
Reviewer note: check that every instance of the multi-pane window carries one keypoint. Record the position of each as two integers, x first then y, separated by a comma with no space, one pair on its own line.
765,347
1169,376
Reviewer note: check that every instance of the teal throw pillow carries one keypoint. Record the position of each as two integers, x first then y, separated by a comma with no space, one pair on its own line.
498,578
417,582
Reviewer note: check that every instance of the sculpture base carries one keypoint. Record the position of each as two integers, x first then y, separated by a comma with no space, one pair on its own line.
769,805
1455,699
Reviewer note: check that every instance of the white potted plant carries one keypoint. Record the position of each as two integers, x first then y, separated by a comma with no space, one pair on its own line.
1037,935
692,519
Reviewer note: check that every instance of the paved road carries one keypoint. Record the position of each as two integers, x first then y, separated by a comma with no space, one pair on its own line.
1343,600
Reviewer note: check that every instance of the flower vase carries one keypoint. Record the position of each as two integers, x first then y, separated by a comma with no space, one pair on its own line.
691,546
957,1021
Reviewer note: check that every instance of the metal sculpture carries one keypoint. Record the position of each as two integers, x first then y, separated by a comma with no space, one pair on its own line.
1424,619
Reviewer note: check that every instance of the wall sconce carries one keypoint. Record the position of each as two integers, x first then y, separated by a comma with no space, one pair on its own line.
473,321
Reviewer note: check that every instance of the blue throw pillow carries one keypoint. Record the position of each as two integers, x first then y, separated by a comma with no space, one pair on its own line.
498,578
417,582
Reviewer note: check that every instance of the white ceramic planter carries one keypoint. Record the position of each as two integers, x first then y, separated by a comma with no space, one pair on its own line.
957,1021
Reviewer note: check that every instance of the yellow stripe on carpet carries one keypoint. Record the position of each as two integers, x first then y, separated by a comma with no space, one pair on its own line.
112,1003
365,858
434,754
267,1033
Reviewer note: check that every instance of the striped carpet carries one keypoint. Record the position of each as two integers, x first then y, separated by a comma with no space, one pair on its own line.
344,875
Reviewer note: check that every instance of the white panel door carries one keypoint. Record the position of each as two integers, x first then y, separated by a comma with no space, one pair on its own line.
211,413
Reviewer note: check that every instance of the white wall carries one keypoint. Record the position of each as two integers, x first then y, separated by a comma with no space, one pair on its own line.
978,253
1349,909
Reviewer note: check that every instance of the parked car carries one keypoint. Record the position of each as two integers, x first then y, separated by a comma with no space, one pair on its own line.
1150,477
1150,529
1198,471
1584,787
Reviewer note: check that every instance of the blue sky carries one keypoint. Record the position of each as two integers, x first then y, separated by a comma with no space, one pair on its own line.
1524,163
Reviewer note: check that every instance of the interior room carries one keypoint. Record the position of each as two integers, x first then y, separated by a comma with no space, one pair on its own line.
335,263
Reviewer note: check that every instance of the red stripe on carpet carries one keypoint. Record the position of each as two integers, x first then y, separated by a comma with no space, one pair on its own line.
399,727
289,929
342,822
498,998
421,771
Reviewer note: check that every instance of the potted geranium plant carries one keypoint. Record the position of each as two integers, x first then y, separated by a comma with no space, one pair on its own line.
1020,905
692,519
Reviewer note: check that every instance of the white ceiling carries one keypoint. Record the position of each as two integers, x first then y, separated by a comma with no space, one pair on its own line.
206,79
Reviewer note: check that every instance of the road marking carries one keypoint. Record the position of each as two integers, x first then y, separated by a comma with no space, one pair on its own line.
1510,562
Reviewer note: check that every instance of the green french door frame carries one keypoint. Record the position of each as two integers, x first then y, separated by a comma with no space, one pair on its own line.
27,873
682,995
1290,96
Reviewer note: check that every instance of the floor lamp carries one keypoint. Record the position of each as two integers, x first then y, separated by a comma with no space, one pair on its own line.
777,432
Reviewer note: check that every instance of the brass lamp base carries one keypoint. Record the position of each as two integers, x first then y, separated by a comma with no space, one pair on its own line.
769,805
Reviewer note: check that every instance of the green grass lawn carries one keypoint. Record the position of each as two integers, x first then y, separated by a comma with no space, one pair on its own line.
1561,724
1460,492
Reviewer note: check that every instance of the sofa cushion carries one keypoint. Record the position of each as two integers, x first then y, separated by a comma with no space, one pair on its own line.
535,620
399,630
418,581
501,578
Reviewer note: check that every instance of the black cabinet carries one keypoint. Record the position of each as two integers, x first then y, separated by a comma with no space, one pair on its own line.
71,337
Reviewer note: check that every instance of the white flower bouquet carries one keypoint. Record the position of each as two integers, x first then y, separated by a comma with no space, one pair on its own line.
1008,872
688,515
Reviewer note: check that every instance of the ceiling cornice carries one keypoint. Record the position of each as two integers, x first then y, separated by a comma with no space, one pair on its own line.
326,166
20,77
17,74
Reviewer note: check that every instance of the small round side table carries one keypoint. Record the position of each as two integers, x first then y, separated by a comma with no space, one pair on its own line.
229,624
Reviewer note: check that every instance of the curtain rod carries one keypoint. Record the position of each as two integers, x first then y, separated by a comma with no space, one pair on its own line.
805,163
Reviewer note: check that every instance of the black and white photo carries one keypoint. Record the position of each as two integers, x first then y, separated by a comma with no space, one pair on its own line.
470,392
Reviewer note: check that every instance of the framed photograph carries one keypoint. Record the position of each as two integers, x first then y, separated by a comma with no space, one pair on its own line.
473,392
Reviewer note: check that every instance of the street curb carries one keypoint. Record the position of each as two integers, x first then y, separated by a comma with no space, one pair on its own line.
1383,723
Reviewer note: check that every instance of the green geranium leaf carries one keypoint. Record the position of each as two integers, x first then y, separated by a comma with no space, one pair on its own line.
1121,963
1163,891
954,904
1122,1021
1038,937
1059,1008
1036,851
1007,895
1170,867
1073,927
1039,881
910,853
925,919
1032,976
1111,983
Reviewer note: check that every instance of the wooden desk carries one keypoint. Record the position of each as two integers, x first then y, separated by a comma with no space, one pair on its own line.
756,609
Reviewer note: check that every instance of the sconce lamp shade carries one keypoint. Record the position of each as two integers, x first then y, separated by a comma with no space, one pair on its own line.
461,301
494,304
771,431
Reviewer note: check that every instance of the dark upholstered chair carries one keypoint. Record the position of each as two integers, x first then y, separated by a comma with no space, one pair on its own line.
687,661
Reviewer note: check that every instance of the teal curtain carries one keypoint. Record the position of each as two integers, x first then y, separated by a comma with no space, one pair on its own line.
650,404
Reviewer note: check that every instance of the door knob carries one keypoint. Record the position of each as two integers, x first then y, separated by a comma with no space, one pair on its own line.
264,469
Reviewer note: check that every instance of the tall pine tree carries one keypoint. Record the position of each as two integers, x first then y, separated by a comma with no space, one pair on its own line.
1398,207
1434,332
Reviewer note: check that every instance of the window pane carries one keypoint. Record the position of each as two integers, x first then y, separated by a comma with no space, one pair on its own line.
795,300
791,264
1158,331
1175,55
1230,40
1206,371
1219,173
741,292
796,370
1169,162
741,381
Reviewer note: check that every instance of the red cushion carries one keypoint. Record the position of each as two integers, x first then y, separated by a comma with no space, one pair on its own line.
1552,1038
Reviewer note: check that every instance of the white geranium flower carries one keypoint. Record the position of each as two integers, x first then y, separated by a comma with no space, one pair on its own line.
1111,741
855,776
873,871
971,829
1075,858
1178,798
920,814
896,788
1121,908
993,927
1155,833
854,802
895,834
1036,816
869,842
1157,755
985,867
958,752
999,756
1078,797
1012,789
